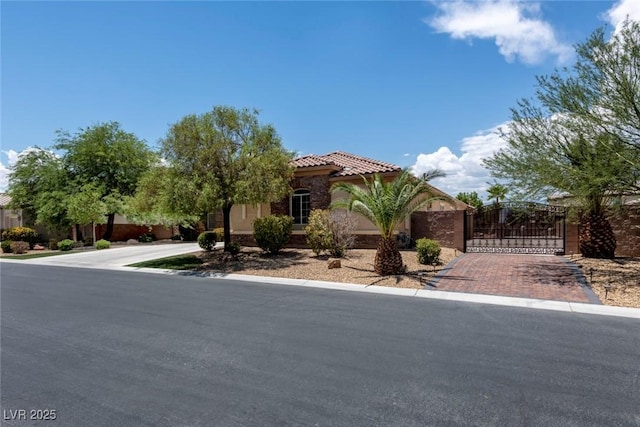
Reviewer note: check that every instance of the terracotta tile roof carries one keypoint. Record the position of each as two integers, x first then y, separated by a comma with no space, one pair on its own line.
310,160
349,164
5,199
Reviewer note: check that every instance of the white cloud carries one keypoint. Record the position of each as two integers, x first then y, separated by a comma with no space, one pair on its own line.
515,26
464,173
12,157
4,177
621,10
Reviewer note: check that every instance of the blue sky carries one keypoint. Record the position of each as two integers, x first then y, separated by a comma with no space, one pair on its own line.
419,84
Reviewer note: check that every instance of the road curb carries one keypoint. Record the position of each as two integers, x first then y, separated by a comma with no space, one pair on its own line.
538,304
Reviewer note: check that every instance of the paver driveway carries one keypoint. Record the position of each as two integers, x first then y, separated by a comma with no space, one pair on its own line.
527,276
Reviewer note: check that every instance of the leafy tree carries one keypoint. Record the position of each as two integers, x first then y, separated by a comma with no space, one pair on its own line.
216,160
107,156
603,90
387,205
100,158
87,207
579,136
37,185
472,199
497,191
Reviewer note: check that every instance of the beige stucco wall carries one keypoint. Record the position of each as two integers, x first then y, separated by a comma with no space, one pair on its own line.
9,218
364,226
242,216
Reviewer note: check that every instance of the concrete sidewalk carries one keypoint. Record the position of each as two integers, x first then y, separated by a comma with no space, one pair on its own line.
117,256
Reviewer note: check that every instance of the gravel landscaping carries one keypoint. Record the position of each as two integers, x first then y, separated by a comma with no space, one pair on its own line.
357,266
615,281
621,276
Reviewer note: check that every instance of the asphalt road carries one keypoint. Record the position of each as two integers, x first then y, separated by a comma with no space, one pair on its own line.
112,348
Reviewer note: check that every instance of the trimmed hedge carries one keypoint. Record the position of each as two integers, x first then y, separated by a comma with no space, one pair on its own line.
272,232
23,234
428,251
103,244
19,247
66,244
6,246
207,240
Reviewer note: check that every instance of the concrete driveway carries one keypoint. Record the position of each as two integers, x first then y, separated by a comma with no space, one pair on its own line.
117,256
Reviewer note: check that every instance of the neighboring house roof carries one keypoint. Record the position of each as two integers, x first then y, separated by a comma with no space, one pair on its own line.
5,199
347,164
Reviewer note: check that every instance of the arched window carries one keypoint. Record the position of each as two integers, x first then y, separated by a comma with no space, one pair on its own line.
300,206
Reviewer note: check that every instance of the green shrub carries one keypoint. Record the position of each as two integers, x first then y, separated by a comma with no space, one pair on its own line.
207,240
428,251
6,246
330,231
272,232
103,244
147,238
219,234
88,241
24,234
19,247
318,232
66,244
53,244
233,248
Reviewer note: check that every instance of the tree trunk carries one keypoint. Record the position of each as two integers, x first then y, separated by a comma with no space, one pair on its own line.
109,230
388,259
226,225
596,238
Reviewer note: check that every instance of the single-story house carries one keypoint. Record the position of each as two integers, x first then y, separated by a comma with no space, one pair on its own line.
9,217
313,178
123,230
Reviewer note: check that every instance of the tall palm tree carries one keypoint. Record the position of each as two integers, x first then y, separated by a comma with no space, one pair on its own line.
497,191
387,205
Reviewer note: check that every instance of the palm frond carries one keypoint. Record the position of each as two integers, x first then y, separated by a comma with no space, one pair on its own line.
387,204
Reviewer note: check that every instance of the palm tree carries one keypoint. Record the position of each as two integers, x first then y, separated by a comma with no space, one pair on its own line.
387,205
497,191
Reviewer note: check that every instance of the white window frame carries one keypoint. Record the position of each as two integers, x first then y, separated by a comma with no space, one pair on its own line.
297,197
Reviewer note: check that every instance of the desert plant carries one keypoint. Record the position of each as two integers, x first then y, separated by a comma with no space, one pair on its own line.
66,244
219,234
23,234
207,240
147,238
272,232
318,232
53,244
103,244
330,231
6,246
342,225
233,248
19,247
386,205
428,251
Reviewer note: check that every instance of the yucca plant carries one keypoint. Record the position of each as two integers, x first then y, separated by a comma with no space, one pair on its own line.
387,205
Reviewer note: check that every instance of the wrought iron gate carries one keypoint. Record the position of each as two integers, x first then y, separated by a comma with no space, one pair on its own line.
531,228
